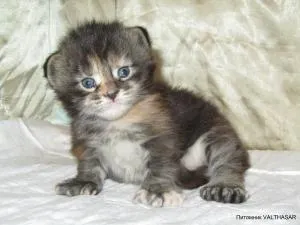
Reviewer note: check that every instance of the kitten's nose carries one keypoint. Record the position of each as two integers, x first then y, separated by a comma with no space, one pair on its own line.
112,94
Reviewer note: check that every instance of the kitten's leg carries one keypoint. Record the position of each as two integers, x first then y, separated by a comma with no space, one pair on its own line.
159,187
227,163
89,180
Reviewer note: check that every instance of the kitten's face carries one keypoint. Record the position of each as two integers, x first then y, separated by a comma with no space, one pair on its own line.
101,69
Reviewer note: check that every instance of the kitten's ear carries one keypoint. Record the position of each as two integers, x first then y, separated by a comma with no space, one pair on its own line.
142,36
50,67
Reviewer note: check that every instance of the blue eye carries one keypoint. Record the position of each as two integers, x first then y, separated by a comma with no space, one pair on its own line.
123,72
88,83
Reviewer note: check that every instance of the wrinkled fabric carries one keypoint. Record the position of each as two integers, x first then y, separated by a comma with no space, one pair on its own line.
243,55
34,156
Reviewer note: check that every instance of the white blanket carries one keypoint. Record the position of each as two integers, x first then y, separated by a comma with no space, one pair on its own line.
34,157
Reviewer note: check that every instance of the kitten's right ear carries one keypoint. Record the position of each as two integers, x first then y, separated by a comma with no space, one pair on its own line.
142,35
50,67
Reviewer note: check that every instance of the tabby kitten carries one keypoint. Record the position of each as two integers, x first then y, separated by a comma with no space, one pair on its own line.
130,129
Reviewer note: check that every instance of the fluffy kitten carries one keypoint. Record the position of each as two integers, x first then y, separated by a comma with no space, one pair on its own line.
127,128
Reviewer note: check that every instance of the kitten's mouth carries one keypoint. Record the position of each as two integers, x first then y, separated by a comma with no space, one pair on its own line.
114,109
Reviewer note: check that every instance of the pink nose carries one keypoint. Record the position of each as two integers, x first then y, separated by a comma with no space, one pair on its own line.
112,94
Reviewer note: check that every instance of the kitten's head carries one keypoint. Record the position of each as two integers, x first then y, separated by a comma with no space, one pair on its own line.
101,69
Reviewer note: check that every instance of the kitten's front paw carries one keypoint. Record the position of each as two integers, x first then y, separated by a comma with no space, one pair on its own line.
225,193
72,187
166,199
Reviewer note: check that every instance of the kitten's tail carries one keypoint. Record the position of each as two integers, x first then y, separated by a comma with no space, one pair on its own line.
192,179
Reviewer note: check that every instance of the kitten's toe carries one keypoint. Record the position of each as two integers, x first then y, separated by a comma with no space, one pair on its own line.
73,187
166,199
173,198
147,198
226,193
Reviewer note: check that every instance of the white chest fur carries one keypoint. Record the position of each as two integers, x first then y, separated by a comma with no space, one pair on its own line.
122,155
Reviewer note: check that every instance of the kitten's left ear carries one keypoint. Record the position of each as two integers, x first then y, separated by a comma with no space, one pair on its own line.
142,35
50,67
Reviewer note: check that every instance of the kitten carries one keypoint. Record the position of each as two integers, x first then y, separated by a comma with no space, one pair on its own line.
130,129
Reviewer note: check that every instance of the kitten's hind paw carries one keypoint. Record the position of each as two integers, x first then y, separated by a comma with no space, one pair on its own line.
166,199
226,193
73,187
